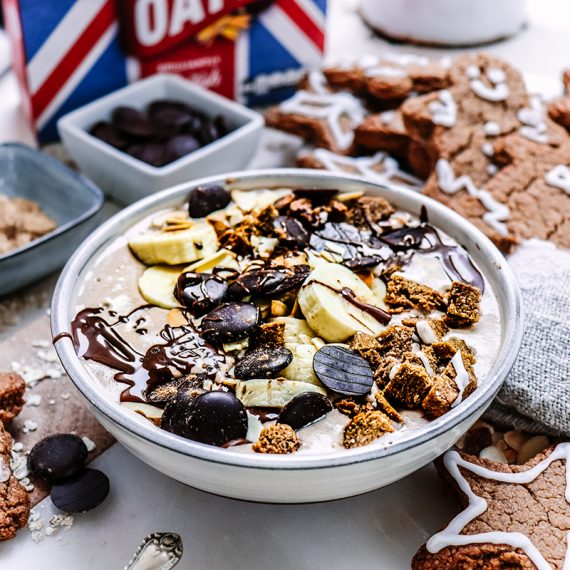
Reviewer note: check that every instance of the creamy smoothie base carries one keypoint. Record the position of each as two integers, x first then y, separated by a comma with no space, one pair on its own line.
280,321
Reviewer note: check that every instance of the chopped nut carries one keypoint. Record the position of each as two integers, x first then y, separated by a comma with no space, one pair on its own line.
279,309
277,439
515,439
365,427
532,447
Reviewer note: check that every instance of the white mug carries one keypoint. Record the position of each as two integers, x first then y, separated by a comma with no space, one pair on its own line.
445,22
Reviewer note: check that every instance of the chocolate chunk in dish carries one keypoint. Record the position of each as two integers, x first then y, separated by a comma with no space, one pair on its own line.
291,320
491,531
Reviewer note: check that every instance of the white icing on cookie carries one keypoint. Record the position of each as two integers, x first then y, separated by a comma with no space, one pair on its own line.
387,117
487,149
497,213
425,332
380,168
492,129
385,71
425,360
318,82
461,377
330,108
492,169
444,110
498,91
451,535
533,119
405,59
559,177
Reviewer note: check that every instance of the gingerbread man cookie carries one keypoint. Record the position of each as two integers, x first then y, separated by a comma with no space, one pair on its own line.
515,516
559,108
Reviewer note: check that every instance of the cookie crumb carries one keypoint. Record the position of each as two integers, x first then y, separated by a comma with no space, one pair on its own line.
269,334
350,407
365,427
408,384
463,305
277,439
385,407
403,294
12,388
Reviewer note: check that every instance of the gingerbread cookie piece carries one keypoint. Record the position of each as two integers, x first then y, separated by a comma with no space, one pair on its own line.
14,499
515,516
12,388
559,108
277,439
380,168
390,77
365,427
327,120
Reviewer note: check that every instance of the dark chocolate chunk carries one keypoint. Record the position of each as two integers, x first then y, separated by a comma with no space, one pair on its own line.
200,292
291,232
109,134
151,153
81,493
305,409
207,199
208,132
342,370
169,117
214,418
230,322
268,281
133,123
263,362
222,125
180,146
190,386
365,262
57,456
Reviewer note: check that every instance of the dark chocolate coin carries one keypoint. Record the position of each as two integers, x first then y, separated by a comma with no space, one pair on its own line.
151,153
213,418
207,199
57,456
179,146
109,134
268,281
81,493
229,322
200,292
291,232
208,132
305,409
133,123
342,370
222,125
263,362
169,117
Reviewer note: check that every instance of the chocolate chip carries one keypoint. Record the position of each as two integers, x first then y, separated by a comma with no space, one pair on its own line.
305,409
268,281
57,456
109,134
230,322
263,362
169,117
214,418
151,153
342,370
200,292
180,146
206,199
133,123
81,493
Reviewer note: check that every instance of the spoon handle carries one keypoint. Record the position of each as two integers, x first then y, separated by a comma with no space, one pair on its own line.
158,551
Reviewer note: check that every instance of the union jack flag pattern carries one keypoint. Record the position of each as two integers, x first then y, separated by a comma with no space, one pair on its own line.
70,52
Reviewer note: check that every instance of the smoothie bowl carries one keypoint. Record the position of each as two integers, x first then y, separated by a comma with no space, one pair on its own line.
287,335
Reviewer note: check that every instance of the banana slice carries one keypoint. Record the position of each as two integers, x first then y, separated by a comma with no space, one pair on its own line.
272,393
301,367
157,284
222,258
295,330
176,247
327,312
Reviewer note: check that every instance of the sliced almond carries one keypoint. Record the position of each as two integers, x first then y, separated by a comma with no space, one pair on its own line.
532,448
516,439
279,309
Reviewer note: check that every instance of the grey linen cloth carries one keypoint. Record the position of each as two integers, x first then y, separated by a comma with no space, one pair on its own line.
536,395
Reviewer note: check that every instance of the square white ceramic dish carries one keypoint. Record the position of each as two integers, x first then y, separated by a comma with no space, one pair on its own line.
128,179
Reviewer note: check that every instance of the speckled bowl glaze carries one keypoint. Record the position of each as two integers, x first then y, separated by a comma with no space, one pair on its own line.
302,478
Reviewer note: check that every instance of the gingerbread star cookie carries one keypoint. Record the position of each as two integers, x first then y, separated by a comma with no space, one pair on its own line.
515,516
380,168
325,119
390,77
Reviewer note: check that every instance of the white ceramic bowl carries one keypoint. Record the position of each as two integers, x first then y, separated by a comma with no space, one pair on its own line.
128,179
445,22
301,478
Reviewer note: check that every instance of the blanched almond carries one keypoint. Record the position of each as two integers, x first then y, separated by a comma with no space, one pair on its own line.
493,454
533,447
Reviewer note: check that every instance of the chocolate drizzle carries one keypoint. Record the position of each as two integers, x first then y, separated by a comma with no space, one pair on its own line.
183,352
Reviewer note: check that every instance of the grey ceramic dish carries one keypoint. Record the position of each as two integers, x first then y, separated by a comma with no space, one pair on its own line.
301,478
69,199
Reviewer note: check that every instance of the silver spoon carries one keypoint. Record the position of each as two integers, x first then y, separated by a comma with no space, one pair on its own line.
158,551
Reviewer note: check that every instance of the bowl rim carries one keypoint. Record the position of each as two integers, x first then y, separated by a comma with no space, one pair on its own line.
252,121
88,185
61,317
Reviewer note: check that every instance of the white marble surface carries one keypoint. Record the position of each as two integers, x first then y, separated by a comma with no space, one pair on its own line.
379,530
